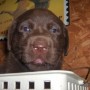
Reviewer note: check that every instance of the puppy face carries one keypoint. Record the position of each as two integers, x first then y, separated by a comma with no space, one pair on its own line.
38,39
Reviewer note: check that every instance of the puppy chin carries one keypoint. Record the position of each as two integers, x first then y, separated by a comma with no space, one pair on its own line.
39,67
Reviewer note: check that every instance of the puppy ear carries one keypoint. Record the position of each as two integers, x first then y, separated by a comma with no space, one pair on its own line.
10,35
66,41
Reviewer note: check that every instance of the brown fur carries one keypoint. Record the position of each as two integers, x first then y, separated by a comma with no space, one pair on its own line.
37,40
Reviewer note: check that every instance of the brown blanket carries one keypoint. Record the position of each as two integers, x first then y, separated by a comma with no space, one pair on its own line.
79,33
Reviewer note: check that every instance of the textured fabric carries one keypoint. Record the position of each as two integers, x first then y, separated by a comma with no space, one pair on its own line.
79,35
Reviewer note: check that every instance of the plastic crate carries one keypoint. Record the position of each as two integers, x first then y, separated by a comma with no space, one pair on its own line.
42,80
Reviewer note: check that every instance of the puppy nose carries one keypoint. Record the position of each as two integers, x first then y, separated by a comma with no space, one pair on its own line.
40,47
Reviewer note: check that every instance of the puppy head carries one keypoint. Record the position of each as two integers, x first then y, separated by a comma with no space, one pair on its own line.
38,38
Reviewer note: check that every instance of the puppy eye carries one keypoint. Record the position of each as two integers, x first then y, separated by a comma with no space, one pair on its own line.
53,30
26,26
26,29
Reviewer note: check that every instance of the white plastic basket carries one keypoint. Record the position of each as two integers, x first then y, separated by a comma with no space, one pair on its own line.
42,80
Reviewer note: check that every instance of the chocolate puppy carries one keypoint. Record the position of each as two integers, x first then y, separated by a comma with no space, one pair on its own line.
37,41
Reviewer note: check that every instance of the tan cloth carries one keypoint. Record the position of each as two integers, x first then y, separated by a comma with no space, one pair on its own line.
79,34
